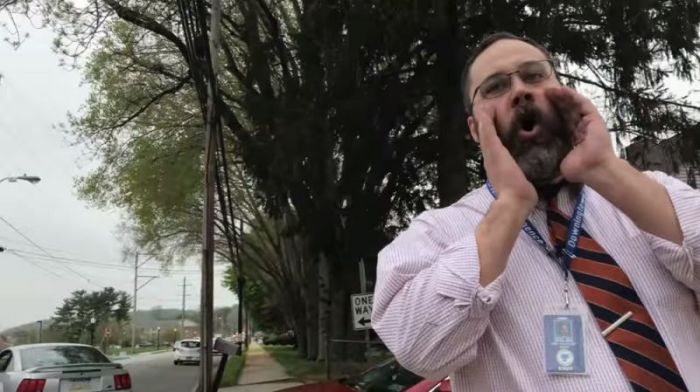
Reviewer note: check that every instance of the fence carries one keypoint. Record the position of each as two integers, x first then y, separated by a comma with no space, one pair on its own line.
372,358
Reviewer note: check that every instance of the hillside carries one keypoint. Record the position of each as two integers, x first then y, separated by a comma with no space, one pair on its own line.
226,321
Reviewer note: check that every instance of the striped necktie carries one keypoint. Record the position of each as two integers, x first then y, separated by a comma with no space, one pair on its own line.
637,344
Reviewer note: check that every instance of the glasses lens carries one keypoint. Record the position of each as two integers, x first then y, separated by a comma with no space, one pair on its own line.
534,71
495,85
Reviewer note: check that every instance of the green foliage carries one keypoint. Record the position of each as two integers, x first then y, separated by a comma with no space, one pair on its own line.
73,318
233,370
297,367
260,301
332,107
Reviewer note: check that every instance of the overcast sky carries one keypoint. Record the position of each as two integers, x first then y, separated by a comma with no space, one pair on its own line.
35,94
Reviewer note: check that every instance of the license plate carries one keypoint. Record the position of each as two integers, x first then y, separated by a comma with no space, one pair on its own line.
82,385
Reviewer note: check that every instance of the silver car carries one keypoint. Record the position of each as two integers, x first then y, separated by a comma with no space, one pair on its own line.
189,350
60,367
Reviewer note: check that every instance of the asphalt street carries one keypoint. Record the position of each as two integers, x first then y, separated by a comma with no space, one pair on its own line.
157,373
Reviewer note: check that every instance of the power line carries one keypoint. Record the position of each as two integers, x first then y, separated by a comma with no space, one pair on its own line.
101,265
32,262
158,299
6,239
11,226
41,266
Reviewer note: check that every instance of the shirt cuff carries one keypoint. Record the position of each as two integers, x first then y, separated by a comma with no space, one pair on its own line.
457,277
687,214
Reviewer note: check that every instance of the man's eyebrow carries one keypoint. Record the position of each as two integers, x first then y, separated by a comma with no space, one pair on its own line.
514,70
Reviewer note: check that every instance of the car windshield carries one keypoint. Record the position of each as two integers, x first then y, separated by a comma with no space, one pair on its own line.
189,344
60,355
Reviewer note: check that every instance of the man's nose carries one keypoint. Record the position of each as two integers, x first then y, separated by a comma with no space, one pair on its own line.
520,92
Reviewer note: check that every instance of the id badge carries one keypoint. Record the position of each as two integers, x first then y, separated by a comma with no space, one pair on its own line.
565,352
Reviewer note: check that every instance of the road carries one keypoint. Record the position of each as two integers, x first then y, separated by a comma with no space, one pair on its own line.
157,373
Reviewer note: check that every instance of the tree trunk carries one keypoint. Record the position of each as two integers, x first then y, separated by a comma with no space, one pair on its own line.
295,290
452,129
323,305
310,297
345,282
301,335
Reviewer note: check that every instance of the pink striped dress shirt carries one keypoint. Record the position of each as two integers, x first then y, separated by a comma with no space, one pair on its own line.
433,314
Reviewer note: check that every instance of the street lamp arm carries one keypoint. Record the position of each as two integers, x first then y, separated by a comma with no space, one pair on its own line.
29,179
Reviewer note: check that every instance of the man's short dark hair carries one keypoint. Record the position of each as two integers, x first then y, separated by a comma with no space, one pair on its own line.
485,43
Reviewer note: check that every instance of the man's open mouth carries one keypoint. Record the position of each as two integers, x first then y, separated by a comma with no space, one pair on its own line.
528,120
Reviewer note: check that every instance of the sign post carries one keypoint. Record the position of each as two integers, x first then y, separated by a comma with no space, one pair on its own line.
363,288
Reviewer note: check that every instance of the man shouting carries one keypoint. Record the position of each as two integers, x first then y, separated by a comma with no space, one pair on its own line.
568,271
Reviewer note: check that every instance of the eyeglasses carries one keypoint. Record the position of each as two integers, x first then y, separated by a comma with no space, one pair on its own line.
530,72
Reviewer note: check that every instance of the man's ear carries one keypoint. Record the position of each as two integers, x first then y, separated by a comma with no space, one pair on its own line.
471,122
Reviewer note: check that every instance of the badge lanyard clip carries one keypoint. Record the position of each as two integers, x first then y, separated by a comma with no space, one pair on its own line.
568,252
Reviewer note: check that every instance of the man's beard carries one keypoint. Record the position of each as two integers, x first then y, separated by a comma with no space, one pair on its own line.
539,158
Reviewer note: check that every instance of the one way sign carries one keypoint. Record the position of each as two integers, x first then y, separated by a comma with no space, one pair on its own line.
361,311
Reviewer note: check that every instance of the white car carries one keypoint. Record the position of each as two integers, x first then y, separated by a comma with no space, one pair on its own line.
60,367
188,350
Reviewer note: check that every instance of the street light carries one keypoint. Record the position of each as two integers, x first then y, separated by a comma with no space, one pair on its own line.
93,320
29,179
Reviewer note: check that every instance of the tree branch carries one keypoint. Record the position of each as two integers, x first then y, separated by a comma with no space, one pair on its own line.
628,93
149,24
150,102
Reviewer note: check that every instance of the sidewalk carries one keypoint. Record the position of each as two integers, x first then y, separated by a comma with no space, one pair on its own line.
261,373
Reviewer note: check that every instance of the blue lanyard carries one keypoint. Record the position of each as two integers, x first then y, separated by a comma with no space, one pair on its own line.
568,253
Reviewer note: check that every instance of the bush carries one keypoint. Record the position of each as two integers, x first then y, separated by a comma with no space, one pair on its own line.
285,339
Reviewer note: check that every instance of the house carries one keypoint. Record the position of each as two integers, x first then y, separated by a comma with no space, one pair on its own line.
666,156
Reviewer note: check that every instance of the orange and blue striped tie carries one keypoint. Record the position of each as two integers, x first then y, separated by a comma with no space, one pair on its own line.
637,344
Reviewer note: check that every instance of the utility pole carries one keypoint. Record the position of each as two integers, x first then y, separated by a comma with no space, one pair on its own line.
184,295
206,307
204,69
133,312
41,326
136,291
213,122
241,284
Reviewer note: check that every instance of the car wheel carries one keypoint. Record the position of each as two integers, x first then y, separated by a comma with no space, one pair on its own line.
176,363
